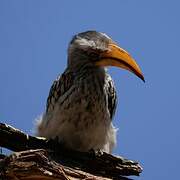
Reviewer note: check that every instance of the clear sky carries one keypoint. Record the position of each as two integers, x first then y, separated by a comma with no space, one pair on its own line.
34,36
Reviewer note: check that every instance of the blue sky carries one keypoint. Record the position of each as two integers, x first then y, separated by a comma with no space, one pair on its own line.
34,36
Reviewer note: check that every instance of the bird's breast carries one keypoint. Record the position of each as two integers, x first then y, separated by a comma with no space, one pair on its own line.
81,117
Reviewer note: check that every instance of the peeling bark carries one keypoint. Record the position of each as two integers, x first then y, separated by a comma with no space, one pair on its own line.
38,158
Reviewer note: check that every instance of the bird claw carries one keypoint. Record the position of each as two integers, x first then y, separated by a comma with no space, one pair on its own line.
55,143
97,152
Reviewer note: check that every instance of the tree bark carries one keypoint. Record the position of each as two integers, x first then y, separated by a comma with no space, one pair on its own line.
39,158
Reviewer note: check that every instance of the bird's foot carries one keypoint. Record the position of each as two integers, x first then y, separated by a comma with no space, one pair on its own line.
96,152
55,143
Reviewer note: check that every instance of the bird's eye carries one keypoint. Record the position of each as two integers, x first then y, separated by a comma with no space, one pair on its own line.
93,54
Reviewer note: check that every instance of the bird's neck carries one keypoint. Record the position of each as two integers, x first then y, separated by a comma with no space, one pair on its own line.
89,70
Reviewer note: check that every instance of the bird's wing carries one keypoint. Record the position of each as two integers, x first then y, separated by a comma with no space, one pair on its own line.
58,88
112,98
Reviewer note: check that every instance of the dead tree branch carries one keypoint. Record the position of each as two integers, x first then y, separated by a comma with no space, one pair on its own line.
40,157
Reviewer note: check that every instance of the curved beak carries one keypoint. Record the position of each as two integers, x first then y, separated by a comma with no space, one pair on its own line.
116,56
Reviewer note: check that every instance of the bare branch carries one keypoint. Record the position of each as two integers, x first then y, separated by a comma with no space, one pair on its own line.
63,160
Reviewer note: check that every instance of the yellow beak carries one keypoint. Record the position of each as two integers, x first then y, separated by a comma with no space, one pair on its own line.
116,56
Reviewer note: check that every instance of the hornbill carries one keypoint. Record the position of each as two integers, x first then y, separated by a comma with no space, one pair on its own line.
82,101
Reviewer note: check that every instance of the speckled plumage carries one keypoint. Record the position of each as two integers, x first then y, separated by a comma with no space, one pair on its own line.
82,100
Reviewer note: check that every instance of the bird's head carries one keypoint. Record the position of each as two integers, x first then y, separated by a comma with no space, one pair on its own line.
100,50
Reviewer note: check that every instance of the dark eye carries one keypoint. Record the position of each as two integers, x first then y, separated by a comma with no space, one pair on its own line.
94,54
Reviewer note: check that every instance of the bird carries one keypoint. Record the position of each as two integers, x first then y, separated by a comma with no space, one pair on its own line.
82,101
